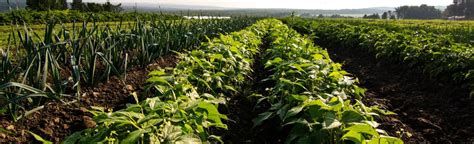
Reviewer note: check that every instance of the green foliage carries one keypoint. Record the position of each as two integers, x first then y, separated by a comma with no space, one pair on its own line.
69,16
186,97
43,5
438,55
372,16
384,15
96,7
313,96
39,138
64,60
460,9
418,12
156,120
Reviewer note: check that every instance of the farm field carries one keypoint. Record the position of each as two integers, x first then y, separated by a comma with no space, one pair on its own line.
62,66
424,76
6,30
238,80
39,29
459,31
194,100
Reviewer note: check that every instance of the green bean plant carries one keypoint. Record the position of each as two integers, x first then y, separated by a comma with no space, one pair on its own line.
439,56
186,98
313,96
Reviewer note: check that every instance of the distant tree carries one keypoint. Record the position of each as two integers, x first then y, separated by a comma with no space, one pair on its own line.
46,5
320,16
463,9
336,16
33,4
372,16
365,16
384,15
418,12
469,11
96,7
77,5
112,8
393,17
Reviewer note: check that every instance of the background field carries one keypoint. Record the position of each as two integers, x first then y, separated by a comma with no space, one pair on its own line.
143,73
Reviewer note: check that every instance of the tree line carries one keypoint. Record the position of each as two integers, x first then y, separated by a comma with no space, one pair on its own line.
428,12
385,15
462,9
418,12
43,5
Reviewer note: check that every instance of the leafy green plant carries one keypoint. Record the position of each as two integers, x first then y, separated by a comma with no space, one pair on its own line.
40,17
313,96
186,99
441,56
64,59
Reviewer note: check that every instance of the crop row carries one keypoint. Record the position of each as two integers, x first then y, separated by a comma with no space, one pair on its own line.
69,16
187,97
311,94
438,56
60,62
459,31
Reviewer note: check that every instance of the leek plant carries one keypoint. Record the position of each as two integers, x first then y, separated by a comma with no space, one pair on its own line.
65,59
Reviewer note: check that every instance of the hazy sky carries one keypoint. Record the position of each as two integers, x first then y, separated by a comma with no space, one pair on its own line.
303,4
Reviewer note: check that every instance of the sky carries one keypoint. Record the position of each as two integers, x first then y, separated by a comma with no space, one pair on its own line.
299,4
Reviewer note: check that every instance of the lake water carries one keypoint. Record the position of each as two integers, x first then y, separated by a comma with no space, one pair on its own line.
206,17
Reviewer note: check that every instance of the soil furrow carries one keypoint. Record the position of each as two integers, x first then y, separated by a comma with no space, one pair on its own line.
57,121
428,111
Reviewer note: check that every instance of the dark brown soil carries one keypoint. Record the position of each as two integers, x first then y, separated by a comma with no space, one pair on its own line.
243,108
57,120
431,111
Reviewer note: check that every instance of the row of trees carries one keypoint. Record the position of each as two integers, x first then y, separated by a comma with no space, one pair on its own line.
42,5
372,16
428,12
388,15
418,12
462,9
385,15
95,7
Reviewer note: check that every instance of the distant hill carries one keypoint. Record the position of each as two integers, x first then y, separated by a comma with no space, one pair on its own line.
275,12
213,10
158,7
